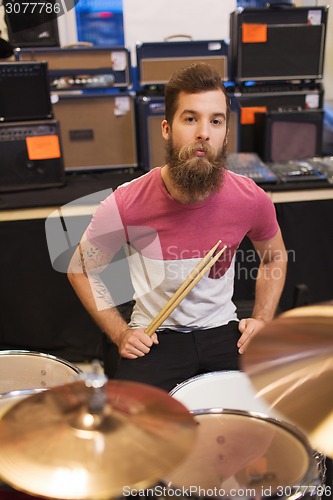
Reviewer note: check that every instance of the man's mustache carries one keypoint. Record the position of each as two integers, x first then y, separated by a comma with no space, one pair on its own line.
186,152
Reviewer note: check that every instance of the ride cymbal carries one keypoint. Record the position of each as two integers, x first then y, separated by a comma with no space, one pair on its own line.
290,364
79,442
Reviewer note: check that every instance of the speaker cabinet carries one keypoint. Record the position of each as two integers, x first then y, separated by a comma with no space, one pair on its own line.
97,130
157,61
290,135
30,155
32,24
24,91
273,43
151,144
273,97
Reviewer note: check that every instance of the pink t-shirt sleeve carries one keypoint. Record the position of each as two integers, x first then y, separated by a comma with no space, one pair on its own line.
266,224
106,229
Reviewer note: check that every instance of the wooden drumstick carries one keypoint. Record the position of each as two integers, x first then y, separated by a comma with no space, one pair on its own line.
175,301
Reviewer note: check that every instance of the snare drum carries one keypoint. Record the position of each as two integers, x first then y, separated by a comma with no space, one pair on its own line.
21,370
247,455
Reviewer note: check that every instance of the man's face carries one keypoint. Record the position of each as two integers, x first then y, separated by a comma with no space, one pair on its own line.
196,143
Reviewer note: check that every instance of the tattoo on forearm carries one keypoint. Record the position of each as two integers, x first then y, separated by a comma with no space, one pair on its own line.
92,259
102,295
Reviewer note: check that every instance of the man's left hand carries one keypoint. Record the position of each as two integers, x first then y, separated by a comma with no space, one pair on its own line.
248,328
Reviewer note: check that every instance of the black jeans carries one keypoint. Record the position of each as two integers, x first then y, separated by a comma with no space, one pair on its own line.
179,356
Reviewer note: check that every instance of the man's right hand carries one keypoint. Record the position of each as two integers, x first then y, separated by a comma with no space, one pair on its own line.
135,343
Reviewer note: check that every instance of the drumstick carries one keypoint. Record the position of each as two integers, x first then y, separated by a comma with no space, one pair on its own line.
161,317
188,280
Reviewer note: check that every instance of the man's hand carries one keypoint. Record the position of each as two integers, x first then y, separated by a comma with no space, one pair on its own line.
248,328
135,343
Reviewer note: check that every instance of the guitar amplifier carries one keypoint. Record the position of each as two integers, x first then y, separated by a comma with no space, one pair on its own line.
274,43
83,67
151,144
24,91
33,24
157,61
260,98
97,130
289,135
30,155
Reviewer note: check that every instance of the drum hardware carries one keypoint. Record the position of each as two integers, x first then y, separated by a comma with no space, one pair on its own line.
290,364
91,438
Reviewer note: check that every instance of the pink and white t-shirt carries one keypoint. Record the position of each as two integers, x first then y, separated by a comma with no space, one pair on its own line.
167,239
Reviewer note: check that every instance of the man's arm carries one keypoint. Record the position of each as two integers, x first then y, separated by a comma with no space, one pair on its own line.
269,285
84,271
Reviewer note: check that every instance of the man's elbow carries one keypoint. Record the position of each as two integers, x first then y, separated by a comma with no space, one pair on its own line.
70,276
73,272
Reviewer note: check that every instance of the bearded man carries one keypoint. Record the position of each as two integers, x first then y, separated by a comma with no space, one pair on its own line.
170,218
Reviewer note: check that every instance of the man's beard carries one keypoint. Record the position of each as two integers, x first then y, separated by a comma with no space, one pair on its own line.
196,177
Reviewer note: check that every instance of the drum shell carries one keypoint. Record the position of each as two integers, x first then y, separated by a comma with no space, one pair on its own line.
22,370
257,456
232,390
221,389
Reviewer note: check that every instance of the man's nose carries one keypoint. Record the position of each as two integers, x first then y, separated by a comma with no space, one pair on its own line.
202,133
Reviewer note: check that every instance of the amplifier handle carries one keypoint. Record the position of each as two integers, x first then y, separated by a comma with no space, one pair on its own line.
280,5
169,38
77,45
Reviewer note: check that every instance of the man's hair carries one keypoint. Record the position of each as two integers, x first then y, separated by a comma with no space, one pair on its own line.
199,77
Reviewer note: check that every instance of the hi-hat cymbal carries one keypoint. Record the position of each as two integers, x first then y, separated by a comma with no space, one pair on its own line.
79,442
290,364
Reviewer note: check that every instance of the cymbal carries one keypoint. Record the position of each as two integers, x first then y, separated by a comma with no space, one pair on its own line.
319,310
290,364
79,442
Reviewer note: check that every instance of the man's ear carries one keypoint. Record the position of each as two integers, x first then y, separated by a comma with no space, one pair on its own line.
166,129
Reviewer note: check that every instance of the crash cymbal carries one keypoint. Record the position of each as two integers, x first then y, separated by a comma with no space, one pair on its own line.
290,364
80,442
319,310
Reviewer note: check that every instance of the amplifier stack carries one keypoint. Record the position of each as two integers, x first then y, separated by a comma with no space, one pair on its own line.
276,58
92,97
272,69
293,101
29,136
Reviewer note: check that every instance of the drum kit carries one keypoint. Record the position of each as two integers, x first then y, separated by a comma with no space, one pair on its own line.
264,431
